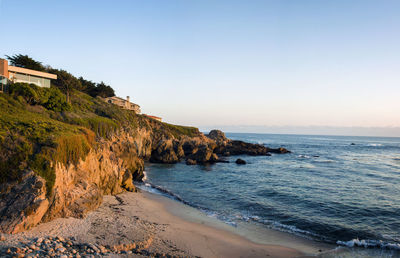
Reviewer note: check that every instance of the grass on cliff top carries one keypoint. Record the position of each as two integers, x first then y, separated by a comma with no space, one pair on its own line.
178,130
30,138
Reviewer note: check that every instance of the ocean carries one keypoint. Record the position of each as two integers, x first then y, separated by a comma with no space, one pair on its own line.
336,189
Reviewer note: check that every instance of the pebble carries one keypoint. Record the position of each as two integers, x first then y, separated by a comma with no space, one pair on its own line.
60,248
2,237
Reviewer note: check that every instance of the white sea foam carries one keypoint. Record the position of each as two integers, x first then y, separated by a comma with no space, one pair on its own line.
306,165
375,144
144,176
369,243
324,161
293,229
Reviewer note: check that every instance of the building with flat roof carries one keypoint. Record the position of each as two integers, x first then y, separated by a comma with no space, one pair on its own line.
124,103
18,74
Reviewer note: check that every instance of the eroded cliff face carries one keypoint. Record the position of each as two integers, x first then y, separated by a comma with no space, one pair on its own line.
109,168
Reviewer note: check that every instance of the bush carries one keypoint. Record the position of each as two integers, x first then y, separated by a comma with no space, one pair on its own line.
50,98
55,101
27,91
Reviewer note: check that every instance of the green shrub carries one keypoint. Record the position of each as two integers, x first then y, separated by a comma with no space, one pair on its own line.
50,98
27,91
54,100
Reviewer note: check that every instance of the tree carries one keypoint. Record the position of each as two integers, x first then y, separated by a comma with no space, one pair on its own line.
104,90
25,61
88,87
65,82
94,90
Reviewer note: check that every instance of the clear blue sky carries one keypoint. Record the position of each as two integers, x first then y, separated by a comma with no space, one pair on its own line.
225,63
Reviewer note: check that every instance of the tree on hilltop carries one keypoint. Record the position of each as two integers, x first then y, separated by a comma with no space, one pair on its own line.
104,90
24,61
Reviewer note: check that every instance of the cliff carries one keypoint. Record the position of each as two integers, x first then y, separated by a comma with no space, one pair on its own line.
59,162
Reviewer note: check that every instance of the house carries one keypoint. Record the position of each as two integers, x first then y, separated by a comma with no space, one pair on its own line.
154,117
124,103
18,74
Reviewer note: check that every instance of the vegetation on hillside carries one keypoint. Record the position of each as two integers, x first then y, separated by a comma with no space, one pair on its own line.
39,126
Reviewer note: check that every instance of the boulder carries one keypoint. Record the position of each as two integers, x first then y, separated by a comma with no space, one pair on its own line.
22,204
127,181
279,150
202,156
218,136
164,153
189,148
214,158
241,148
191,162
240,162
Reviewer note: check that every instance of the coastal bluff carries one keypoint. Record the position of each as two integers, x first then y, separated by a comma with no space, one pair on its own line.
110,168
60,164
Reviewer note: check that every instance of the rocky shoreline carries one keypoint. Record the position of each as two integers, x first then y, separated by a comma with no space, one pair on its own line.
70,247
110,167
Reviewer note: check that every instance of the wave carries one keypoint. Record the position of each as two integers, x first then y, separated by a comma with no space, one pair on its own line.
304,157
144,179
324,161
291,229
164,191
368,243
230,221
246,217
375,144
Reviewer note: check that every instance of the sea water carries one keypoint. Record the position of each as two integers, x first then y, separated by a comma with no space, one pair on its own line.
334,189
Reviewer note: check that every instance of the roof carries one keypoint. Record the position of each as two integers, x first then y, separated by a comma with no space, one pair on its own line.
115,97
31,72
156,117
125,100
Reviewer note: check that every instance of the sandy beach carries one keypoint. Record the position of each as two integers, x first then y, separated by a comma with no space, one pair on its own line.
145,224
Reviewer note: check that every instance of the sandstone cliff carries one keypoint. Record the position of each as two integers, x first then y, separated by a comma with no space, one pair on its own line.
60,164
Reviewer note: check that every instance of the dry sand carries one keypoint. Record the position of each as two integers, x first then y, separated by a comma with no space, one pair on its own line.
163,226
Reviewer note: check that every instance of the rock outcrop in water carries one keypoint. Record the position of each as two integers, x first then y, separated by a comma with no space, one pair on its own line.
240,162
206,149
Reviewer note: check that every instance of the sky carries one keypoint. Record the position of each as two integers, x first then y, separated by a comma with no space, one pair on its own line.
246,66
